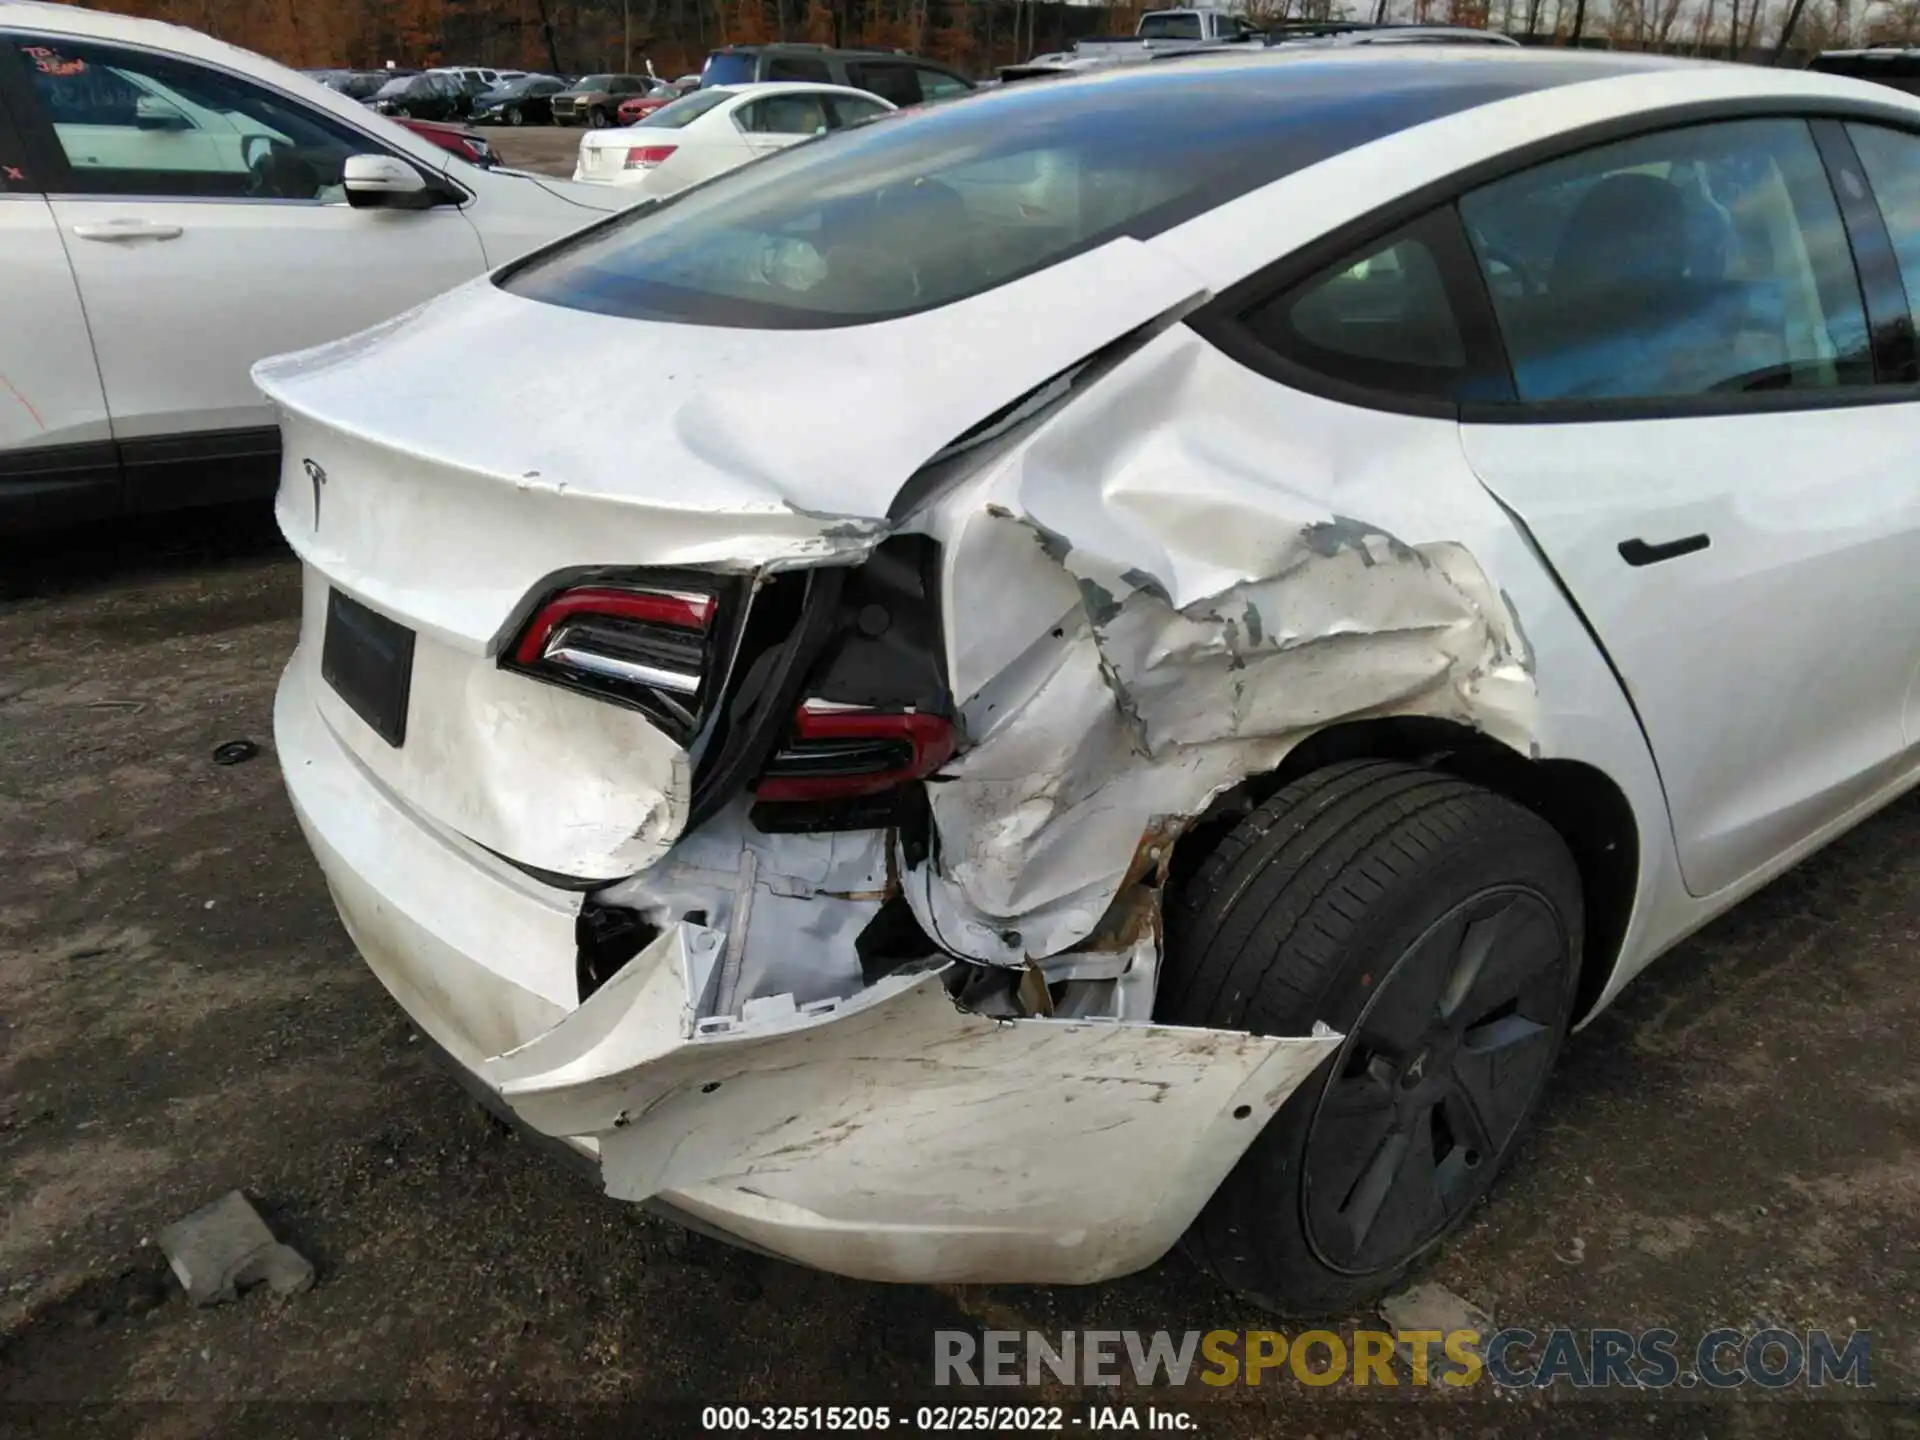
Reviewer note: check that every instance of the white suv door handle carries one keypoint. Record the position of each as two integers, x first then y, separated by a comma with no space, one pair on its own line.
126,228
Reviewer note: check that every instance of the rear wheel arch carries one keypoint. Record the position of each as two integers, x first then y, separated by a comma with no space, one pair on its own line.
1582,803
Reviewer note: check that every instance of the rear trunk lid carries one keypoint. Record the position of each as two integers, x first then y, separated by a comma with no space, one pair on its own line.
603,154
450,500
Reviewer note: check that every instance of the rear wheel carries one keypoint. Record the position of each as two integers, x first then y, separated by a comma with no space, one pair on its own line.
1436,925
403,111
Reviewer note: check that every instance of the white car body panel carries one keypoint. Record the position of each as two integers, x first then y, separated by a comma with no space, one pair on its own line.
208,286
710,144
49,384
1823,522
181,320
1152,592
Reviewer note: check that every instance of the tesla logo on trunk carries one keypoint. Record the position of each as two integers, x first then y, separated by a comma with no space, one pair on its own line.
319,479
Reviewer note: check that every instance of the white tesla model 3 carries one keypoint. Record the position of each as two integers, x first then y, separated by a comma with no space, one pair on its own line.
1122,659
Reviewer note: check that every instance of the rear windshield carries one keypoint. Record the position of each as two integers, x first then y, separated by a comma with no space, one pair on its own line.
941,204
727,70
1169,25
688,107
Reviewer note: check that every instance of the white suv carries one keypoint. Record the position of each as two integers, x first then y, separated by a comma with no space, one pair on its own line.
171,210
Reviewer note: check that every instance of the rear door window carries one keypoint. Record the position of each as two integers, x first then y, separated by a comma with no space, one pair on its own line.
794,67
130,122
938,85
889,79
800,114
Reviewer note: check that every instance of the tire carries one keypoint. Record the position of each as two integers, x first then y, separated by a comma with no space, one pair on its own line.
514,117
597,118
403,112
1437,926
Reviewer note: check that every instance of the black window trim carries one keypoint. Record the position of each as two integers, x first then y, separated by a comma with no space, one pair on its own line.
1883,289
49,160
1219,321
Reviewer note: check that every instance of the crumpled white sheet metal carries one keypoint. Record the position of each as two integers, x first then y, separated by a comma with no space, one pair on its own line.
1159,594
895,1134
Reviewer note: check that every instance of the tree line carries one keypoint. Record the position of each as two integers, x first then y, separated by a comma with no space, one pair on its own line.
673,36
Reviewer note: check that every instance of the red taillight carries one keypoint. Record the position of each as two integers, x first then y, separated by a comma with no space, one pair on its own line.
840,753
645,157
645,645
678,609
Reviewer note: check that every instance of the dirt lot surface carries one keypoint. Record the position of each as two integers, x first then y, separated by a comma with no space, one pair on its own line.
548,149
1737,1143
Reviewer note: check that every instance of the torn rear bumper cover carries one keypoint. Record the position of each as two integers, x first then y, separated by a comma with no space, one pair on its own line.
888,1135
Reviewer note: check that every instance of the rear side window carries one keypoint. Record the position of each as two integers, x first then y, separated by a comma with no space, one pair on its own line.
1382,320
1706,260
728,69
791,67
942,203
888,79
801,114
686,109
1170,25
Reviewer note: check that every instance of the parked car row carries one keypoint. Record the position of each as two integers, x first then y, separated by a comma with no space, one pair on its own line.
716,129
753,100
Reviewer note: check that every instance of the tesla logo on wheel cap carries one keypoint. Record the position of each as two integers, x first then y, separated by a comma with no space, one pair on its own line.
319,479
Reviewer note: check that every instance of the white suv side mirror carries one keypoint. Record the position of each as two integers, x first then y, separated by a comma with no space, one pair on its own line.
382,180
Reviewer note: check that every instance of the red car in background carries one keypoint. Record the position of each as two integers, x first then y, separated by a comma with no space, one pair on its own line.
462,140
632,112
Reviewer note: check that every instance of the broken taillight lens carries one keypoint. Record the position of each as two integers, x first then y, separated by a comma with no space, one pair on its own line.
841,752
648,646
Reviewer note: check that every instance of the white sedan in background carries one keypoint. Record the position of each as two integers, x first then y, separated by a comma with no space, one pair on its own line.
718,129
171,210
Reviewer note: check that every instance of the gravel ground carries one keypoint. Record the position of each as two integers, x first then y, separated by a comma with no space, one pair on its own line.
1736,1143
548,149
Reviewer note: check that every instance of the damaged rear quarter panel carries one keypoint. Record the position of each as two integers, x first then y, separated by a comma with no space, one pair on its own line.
1177,577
